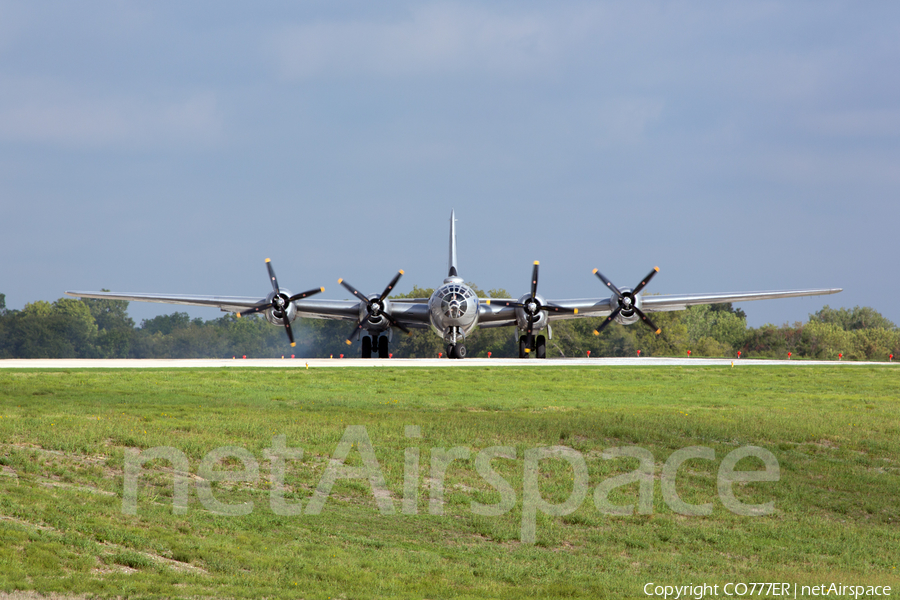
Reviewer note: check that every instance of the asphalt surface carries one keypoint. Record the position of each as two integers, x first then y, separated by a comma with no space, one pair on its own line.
121,363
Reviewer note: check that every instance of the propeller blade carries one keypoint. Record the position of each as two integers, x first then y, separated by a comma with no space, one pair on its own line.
396,323
534,279
608,320
353,290
290,333
305,294
391,285
559,309
608,283
359,325
646,280
647,320
272,276
254,310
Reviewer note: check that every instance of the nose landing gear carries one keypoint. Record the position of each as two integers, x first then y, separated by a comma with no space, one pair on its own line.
456,351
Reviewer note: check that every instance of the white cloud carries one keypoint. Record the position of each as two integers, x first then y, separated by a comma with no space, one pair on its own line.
46,113
439,38
625,120
881,123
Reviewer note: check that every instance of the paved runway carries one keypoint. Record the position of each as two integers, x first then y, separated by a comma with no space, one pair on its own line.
75,363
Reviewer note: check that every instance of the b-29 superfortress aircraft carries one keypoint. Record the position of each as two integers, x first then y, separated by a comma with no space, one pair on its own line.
453,310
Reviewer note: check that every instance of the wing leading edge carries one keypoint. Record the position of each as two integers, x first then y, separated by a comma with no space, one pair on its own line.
226,303
592,308
496,314
411,314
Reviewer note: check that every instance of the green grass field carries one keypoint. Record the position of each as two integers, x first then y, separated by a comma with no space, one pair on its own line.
835,432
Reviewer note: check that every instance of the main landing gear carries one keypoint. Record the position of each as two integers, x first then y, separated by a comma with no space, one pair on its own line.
378,344
530,344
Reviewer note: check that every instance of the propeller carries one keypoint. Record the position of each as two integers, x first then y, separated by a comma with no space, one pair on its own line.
280,303
626,301
532,306
374,307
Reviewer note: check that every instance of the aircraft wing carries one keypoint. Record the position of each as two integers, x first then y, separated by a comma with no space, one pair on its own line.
226,303
496,314
411,314
664,303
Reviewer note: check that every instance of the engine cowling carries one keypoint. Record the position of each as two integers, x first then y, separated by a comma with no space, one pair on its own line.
540,317
281,308
630,301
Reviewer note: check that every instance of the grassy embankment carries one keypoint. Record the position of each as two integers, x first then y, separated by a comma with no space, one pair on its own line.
834,430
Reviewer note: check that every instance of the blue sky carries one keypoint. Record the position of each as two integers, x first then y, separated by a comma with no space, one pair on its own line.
172,147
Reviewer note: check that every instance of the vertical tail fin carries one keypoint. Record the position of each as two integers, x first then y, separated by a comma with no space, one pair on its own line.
453,270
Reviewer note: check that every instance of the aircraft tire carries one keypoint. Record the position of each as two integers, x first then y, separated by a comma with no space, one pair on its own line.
366,347
523,344
460,351
383,351
540,347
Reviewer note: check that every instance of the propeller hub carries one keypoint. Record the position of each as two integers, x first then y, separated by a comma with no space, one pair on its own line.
531,306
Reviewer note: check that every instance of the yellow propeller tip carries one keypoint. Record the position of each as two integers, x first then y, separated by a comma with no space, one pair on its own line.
658,331
321,289
656,269
340,280
293,344
596,332
401,271
527,350
595,271
268,260
349,342
238,315
537,262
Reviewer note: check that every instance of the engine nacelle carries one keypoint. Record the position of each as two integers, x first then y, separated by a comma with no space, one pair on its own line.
270,314
540,321
627,316
376,322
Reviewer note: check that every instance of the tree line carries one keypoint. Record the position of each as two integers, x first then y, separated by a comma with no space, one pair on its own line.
92,328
